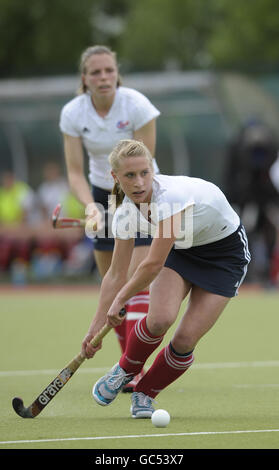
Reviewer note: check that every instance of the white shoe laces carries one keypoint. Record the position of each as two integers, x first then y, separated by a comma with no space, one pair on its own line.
116,379
143,400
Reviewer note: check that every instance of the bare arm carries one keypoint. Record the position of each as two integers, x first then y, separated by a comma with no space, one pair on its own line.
150,267
147,134
74,158
113,281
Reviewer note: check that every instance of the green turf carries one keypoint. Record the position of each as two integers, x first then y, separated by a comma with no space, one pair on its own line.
232,386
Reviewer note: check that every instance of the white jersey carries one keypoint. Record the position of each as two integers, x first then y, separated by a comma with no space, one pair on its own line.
208,215
130,111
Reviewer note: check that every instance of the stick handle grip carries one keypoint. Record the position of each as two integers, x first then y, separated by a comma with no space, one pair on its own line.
79,358
97,338
106,328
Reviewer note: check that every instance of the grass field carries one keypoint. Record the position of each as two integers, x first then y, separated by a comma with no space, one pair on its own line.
229,399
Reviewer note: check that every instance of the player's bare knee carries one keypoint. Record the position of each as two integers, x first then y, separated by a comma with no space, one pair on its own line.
158,326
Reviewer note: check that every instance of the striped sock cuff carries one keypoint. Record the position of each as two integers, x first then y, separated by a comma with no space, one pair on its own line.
176,360
143,333
137,306
140,297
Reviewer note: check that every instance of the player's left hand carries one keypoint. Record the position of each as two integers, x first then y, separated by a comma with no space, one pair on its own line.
87,349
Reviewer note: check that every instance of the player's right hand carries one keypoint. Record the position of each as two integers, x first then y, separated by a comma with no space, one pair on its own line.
94,220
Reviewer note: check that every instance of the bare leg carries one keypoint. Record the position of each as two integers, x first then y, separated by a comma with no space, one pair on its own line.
139,253
203,309
103,261
167,292
164,305
172,361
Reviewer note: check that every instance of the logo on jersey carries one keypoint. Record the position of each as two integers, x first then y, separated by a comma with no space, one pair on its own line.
122,124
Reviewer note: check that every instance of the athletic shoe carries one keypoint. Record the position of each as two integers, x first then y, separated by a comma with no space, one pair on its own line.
108,386
141,405
130,387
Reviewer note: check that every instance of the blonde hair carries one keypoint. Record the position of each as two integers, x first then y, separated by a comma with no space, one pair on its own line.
126,148
94,50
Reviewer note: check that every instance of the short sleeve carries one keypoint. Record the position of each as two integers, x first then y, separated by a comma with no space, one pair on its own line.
66,123
144,110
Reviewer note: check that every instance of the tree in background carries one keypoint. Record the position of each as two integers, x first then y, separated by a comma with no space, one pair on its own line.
43,37
246,34
164,34
200,34
46,37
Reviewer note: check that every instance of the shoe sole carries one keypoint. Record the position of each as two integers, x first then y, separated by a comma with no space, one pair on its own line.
97,399
142,415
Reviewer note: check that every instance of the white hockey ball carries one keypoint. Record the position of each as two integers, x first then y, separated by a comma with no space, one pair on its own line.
160,418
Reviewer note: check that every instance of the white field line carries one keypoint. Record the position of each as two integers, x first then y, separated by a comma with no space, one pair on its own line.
256,385
24,373
97,370
137,436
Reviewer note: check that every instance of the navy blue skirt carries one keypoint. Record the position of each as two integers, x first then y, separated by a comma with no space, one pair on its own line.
106,243
219,267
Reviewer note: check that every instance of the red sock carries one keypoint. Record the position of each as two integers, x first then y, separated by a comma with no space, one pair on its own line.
140,346
137,308
166,368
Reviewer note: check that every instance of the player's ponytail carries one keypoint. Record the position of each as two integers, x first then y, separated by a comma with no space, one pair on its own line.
117,196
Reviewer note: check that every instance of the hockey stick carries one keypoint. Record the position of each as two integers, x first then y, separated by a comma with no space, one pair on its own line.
65,222
69,222
62,378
